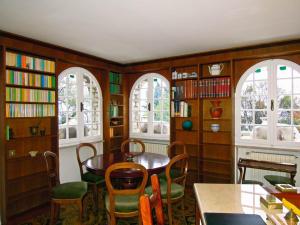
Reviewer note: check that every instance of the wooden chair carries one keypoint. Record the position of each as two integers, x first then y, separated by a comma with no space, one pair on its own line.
123,203
154,201
172,191
96,182
62,194
134,141
171,149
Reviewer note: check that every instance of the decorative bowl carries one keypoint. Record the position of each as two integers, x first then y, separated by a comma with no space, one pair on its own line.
187,125
215,127
33,153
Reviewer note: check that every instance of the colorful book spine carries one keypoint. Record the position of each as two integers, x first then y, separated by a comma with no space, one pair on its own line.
29,95
14,110
214,88
29,62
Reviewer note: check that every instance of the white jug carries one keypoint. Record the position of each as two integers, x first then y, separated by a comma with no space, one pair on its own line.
216,69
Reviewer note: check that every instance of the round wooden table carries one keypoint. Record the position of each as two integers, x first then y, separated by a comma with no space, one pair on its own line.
154,163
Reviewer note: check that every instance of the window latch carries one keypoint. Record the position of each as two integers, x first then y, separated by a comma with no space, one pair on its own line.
81,107
149,107
272,105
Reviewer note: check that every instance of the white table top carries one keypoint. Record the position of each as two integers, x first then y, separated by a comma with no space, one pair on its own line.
232,198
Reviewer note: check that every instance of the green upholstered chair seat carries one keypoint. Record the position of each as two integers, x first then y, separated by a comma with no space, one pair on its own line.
252,182
124,203
177,190
92,178
275,179
173,173
70,190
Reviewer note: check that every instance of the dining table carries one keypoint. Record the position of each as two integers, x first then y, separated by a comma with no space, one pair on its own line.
154,163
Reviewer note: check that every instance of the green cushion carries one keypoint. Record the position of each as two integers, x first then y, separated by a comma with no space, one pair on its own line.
70,190
173,173
92,178
177,190
274,179
252,182
124,203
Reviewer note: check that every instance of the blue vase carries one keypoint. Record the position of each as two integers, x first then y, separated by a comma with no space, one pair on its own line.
187,125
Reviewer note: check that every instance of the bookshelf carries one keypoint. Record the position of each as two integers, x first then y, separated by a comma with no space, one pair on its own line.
116,111
30,125
185,109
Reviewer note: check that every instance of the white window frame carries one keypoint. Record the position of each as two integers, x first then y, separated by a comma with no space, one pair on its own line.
80,117
271,141
150,136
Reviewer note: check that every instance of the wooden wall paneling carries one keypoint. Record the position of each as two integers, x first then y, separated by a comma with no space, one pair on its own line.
2,139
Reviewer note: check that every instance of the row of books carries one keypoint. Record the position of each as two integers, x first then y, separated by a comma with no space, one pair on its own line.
29,62
115,78
29,95
180,109
29,79
115,88
29,110
204,88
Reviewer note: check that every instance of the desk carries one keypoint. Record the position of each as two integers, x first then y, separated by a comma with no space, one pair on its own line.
231,198
154,163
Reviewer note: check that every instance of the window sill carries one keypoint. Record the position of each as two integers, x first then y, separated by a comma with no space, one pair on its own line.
73,143
269,147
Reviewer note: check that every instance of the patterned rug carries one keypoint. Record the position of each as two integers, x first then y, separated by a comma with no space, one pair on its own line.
69,215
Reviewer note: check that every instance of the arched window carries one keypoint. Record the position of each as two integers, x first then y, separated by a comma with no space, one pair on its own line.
150,107
79,107
268,105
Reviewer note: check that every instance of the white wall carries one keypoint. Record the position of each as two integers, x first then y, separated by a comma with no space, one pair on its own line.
69,169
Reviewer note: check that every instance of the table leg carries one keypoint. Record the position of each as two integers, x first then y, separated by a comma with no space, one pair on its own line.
197,214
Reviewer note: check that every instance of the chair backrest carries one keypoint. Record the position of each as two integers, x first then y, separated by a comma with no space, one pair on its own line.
175,144
78,149
52,166
112,191
134,141
181,163
154,201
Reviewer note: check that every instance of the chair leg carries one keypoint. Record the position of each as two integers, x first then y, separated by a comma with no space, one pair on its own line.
95,195
170,213
52,213
79,203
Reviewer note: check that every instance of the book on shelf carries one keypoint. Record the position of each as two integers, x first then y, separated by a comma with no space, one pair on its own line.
185,89
180,109
28,62
29,79
214,87
113,110
29,95
115,88
29,110
115,78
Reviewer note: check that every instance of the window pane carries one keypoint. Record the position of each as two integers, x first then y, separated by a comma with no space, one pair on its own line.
62,133
296,132
95,129
284,86
261,117
296,117
296,102
247,89
72,104
165,128
72,79
143,127
261,132
166,105
284,71
95,93
87,117
72,90
86,80
261,88
95,117
246,132
62,105
296,86
284,102
62,118
72,132
165,92
157,116
261,102
72,119
166,116
246,103
86,91
157,128
143,93
284,117
87,130
296,73
246,117
157,104
261,74
285,133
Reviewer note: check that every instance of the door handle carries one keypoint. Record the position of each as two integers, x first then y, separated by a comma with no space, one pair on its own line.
149,107
272,105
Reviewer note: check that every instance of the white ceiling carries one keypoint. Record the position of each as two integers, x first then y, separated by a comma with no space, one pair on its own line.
127,31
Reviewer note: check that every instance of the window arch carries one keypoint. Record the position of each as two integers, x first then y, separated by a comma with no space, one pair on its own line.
150,107
79,107
267,104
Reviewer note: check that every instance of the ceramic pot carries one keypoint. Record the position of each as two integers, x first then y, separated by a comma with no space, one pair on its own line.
216,110
215,127
187,125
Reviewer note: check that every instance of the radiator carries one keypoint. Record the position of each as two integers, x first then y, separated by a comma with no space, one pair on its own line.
158,148
257,174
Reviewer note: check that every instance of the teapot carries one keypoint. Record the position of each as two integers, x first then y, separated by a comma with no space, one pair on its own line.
216,69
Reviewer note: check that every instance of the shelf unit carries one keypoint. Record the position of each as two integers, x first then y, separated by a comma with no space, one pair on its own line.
30,124
210,152
185,106
116,111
